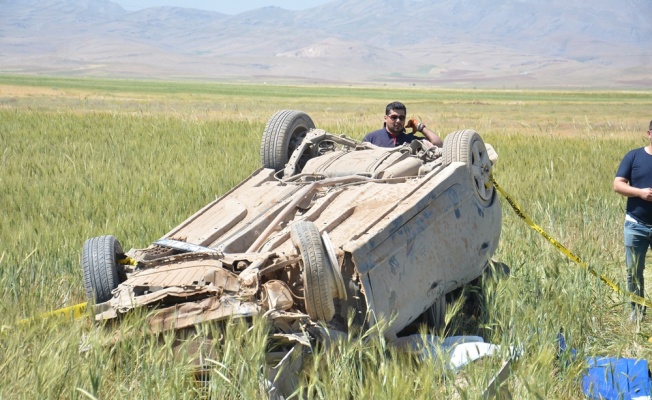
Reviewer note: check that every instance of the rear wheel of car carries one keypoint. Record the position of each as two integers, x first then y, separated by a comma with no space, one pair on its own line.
100,267
467,146
283,133
317,286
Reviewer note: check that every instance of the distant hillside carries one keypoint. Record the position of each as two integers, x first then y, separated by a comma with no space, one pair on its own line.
484,43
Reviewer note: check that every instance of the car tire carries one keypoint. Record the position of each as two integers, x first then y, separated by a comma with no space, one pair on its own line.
467,146
283,133
317,288
100,267
436,315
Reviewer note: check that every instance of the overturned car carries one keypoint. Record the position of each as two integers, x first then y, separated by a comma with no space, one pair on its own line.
329,227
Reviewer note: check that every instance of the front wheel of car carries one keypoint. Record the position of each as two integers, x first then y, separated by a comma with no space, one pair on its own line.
316,273
283,133
100,267
467,146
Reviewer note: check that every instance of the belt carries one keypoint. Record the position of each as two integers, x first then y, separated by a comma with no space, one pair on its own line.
634,220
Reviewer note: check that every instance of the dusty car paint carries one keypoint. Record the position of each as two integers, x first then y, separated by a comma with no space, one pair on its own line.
399,228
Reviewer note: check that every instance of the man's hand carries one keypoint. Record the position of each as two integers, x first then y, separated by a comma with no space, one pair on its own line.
622,187
412,123
646,194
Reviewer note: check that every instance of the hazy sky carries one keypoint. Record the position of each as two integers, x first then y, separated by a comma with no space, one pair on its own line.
225,7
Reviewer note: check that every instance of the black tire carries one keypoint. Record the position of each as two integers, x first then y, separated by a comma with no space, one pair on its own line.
467,146
283,133
100,267
317,289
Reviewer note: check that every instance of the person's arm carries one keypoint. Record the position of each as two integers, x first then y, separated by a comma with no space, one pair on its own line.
622,187
430,135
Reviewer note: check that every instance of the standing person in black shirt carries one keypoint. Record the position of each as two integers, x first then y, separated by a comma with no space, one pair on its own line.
634,181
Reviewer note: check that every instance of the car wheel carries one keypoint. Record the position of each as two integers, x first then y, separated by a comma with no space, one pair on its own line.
100,267
436,315
466,146
316,271
283,133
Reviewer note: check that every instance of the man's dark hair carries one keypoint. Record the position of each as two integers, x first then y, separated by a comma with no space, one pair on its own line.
651,125
396,106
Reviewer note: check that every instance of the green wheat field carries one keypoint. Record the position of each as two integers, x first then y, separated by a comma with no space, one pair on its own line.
81,158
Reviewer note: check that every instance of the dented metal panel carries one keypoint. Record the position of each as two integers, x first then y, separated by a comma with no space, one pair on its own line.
415,260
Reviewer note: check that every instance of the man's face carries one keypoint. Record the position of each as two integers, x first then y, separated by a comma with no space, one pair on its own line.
395,121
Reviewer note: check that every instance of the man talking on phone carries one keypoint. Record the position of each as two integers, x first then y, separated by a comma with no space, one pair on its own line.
393,132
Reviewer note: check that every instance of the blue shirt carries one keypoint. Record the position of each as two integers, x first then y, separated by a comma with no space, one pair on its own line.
636,167
382,138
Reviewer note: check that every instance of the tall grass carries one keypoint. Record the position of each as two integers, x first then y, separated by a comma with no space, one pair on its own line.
82,158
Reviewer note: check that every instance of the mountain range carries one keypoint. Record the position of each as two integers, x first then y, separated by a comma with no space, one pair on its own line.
440,43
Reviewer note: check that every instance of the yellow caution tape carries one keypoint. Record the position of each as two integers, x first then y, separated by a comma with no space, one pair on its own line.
76,311
127,261
519,211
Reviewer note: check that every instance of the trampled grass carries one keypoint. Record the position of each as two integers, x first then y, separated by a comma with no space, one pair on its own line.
82,158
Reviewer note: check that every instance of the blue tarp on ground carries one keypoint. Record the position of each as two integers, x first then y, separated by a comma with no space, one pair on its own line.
612,378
